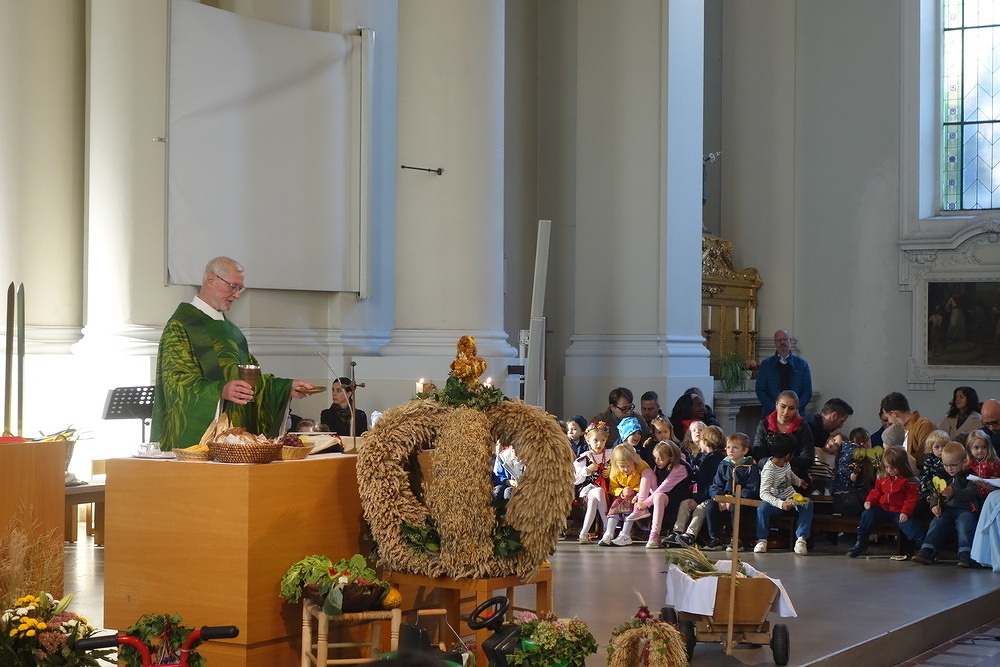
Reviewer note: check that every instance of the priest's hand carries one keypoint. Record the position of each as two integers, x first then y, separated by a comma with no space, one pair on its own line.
297,384
237,391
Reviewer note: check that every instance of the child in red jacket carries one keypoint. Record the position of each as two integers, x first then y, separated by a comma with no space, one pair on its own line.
893,499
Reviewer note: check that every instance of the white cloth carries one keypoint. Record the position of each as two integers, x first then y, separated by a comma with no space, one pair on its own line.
986,543
697,596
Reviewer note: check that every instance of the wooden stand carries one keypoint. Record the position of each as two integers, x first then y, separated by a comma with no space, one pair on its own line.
32,490
415,587
84,495
210,541
317,653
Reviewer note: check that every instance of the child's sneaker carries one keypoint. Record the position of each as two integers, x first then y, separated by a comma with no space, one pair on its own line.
653,544
729,547
926,557
801,548
638,513
860,547
685,540
760,547
585,539
965,560
714,544
605,542
622,541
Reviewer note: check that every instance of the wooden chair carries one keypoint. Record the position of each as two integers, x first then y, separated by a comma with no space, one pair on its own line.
317,653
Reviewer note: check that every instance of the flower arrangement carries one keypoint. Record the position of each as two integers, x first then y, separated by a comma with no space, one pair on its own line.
164,634
40,630
342,586
646,640
463,388
548,641
873,454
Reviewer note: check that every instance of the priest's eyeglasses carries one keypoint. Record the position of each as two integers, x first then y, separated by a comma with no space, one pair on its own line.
238,289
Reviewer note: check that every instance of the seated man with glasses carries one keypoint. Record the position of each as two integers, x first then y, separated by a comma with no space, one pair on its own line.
991,421
197,367
620,406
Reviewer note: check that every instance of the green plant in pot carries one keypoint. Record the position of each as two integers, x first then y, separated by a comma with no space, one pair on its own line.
549,641
732,371
346,586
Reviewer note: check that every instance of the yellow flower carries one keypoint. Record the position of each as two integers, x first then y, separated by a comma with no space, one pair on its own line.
30,633
939,484
42,626
13,632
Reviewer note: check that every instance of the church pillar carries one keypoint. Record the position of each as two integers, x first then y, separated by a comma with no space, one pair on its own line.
639,153
449,227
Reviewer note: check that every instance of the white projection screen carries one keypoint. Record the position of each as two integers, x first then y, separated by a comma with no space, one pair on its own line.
264,151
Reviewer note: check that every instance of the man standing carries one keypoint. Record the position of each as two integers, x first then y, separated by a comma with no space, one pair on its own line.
196,367
620,406
781,372
916,428
991,421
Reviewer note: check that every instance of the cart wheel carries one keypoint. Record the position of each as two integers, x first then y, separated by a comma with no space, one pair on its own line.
690,638
668,615
779,644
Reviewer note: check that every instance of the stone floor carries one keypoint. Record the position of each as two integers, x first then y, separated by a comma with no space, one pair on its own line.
872,611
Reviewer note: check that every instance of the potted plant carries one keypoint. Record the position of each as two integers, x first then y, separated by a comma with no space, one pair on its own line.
40,630
348,585
164,634
734,371
548,641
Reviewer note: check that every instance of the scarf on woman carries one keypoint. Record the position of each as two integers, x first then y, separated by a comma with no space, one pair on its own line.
772,423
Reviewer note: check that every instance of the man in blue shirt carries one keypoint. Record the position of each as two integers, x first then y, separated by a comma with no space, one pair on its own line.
781,372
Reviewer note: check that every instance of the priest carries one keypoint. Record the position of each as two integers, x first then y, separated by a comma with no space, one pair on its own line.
197,372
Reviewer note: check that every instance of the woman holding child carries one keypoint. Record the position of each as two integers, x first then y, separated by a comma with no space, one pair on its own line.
786,419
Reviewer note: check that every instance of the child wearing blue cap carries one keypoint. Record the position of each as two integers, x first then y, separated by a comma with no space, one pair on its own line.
629,431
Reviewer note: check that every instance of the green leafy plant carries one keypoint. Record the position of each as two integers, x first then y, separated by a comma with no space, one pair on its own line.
457,394
547,640
424,538
163,634
506,539
332,580
731,375
40,630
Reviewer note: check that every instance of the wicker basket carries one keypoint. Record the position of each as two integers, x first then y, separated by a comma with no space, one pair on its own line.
188,455
294,453
357,597
261,452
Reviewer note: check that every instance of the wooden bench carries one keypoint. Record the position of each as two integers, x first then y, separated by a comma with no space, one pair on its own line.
835,523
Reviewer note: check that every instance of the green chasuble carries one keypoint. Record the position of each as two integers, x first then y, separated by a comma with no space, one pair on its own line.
197,357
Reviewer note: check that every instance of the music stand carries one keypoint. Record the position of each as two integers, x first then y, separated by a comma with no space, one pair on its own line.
130,403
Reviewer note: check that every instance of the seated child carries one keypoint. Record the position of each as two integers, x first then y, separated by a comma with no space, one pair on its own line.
691,443
777,482
507,469
931,466
629,432
737,468
672,485
983,459
853,474
592,471
627,472
700,509
575,428
956,507
893,499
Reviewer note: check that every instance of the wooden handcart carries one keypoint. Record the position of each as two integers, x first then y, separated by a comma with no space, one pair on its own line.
740,612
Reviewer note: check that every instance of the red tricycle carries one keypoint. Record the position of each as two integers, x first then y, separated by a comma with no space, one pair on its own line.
196,637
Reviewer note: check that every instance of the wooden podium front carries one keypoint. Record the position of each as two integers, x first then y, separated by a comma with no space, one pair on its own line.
210,541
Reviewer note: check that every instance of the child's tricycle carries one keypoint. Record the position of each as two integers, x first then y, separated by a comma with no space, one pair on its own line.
195,638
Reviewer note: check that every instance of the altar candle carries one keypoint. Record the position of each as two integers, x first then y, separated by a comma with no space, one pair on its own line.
737,317
709,318
753,318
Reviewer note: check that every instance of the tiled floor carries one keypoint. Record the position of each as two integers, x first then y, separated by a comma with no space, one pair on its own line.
868,612
981,648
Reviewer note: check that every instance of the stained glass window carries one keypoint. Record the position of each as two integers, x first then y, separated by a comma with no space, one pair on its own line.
970,105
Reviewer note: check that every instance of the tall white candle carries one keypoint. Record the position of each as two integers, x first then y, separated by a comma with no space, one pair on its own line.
709,318
737,317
